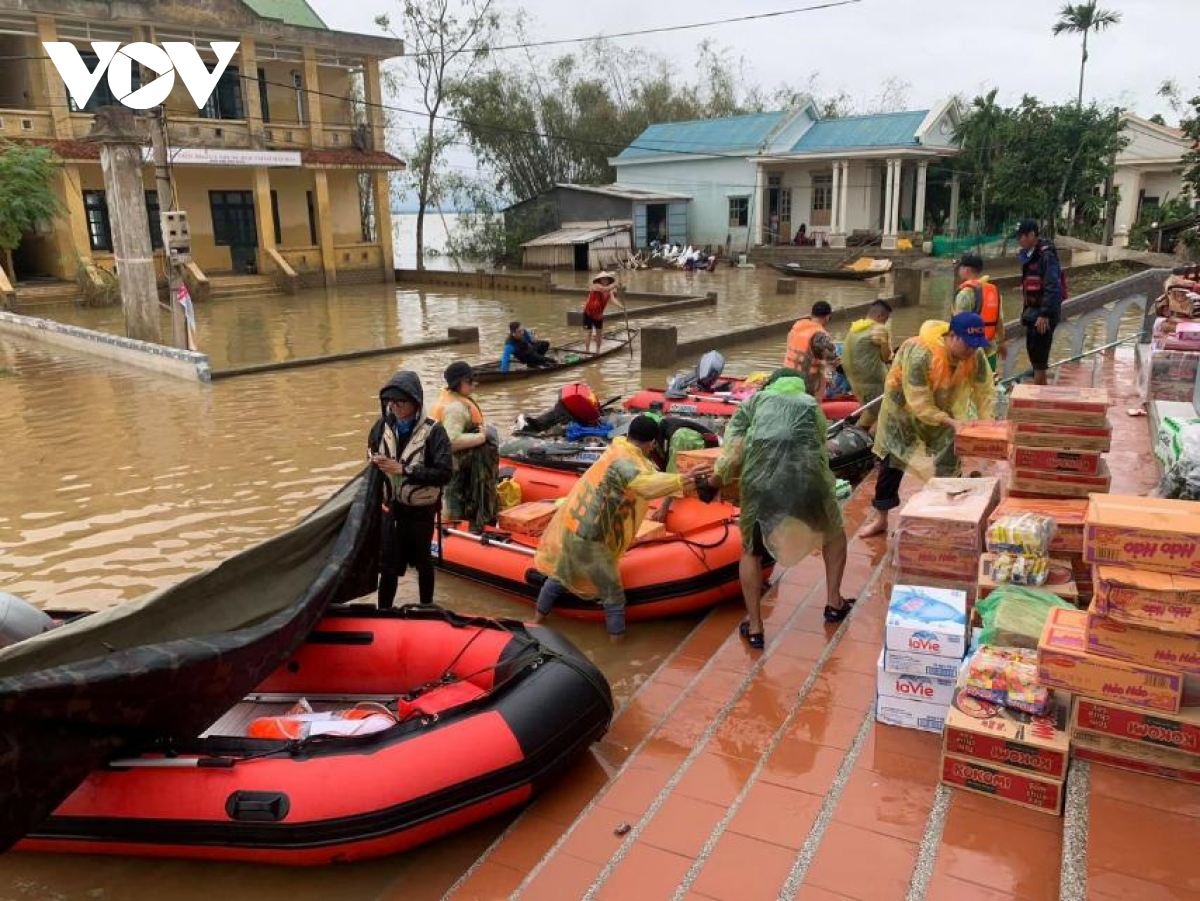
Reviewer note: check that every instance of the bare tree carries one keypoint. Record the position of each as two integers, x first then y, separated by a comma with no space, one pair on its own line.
445,39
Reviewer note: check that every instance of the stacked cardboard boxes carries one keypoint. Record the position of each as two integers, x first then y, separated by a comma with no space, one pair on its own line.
924,644
1016,757
1133,658
1059,434
940,535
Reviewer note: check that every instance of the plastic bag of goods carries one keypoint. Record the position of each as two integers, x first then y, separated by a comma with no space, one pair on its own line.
1028,534
1181,478
1014,616
1006,676
1019,569
1169,442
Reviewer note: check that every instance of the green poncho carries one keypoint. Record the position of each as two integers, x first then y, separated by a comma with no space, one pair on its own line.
776,441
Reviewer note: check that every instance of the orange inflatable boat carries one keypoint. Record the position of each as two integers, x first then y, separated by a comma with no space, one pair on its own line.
692,567
414,723
720,403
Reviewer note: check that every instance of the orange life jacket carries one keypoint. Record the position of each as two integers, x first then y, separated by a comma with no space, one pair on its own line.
447,397
800,356
987,304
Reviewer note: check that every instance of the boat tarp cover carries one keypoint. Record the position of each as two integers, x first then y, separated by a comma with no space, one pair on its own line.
135,676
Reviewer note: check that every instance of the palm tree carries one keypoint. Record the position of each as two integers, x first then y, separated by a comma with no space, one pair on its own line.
1084,18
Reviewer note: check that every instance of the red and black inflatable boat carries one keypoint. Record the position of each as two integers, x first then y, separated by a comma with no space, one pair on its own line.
483,713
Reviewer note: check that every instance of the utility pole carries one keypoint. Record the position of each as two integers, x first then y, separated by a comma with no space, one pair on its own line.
166,202
121,138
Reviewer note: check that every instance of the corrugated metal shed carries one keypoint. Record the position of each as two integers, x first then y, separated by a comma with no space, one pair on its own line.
627,192
851,132
733,134
580,246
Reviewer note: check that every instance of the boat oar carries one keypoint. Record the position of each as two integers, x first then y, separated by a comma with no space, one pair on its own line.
490,542
863,409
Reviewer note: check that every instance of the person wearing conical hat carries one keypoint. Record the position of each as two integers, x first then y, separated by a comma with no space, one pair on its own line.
602,292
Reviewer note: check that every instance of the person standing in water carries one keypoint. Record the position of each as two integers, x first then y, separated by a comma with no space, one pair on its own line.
603,292
413,453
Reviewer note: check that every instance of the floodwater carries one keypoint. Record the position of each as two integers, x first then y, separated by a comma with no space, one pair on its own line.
116,482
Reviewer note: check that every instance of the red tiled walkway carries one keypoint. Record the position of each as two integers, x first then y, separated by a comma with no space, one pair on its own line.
737,776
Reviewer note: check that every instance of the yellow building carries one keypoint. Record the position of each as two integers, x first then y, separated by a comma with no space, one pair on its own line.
281,173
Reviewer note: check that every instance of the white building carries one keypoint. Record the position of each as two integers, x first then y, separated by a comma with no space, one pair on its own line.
1149,171
756,179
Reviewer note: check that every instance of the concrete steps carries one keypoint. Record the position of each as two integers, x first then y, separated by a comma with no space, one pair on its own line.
237,287
46,294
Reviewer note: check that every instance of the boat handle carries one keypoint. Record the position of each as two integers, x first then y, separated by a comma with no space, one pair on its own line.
257,807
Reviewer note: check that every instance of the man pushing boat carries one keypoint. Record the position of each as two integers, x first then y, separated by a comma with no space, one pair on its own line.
581,549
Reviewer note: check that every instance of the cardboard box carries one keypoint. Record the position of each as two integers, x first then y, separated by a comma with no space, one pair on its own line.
1026,482
1136,758
995,735
1014,786
651,531
1080,437
1144,532
1068,514
1173,375
1069,405
1046,459
529,518
686,461
989,440
1064,663
956,583
1060,581
939,692
910,714
930,621
949,513
1151,647
908,663
940,563
1149,599
1177,731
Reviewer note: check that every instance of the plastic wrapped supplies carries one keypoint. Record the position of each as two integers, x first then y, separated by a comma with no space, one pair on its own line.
1181,477
1018,569
1028,534
1014,616
1006,676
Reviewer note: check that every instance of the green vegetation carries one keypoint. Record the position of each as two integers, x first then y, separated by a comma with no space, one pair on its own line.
27,198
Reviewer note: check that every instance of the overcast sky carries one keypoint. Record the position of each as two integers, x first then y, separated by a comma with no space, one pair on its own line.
940,48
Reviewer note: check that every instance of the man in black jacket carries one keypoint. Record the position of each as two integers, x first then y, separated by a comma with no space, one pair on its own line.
1042,290
413,452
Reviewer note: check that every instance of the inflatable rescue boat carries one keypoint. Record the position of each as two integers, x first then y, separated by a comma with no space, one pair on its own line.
692,566
386,729
721,403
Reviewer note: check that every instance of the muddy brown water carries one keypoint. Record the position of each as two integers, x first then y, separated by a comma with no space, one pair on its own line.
116,482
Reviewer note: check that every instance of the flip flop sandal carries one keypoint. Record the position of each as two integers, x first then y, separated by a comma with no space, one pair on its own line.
754,639
836,615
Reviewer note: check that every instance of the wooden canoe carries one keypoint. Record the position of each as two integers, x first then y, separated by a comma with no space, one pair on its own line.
565,356
843,273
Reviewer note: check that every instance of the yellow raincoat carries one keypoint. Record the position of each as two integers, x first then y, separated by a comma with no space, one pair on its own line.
599,519
865,361
925,389
775,443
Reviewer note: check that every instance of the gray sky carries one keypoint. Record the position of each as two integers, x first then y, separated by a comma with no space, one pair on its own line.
940,48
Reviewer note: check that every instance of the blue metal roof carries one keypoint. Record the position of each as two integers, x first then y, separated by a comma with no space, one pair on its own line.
850,132
729,135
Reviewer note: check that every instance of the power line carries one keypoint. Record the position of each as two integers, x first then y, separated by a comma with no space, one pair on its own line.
641,31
